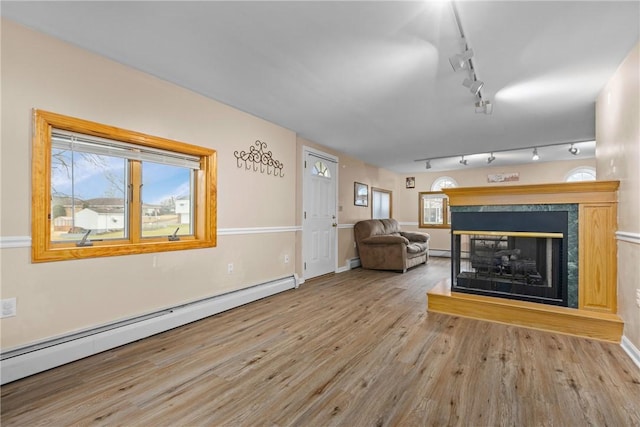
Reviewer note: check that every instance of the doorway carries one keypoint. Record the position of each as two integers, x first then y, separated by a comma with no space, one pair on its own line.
319,216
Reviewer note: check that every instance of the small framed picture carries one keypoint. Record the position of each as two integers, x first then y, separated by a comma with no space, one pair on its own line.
411,182
360,194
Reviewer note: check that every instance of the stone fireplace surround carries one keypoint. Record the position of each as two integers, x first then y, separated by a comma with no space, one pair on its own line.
591,208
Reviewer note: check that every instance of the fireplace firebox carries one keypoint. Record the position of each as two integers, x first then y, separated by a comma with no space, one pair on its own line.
516,255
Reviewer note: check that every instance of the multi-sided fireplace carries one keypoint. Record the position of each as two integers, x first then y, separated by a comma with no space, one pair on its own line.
516,255
538,227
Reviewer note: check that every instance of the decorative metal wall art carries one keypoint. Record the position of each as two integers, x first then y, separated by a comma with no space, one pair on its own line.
259,158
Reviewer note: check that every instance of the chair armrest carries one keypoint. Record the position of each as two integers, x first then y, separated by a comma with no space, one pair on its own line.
415,236
385,239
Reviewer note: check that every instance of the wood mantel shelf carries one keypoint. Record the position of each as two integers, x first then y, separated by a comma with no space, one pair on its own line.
566,192
595,317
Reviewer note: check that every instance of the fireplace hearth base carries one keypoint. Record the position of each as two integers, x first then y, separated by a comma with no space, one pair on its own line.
582,323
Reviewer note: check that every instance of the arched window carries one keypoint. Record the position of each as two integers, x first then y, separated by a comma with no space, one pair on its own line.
443,182
584,173
320,169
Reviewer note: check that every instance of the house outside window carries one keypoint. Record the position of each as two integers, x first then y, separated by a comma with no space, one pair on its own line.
103,191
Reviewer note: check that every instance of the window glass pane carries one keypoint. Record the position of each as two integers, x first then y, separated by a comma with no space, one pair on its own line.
443,182
320,169
381,204
87,194
167,200
433,207
581,174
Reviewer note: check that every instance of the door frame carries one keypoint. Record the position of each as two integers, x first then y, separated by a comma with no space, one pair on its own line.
330,157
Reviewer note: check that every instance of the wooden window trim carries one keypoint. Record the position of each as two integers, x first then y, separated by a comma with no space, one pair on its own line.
445,211
43,250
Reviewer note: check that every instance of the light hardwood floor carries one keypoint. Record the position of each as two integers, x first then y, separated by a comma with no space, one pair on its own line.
352,349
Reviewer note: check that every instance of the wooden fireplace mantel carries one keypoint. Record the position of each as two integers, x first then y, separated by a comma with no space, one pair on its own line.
566,192
596,315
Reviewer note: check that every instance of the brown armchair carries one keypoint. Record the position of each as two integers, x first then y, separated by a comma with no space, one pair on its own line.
383,246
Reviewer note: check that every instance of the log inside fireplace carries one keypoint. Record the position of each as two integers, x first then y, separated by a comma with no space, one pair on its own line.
516,255
525,266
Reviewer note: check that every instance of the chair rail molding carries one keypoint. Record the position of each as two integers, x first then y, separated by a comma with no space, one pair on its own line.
258,230
8,242
626,236
15,242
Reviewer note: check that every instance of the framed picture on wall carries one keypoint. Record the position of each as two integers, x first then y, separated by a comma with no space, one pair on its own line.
411,182
360,194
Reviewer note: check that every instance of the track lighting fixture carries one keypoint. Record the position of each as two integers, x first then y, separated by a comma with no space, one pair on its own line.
460,61
473,85
515,156
464,60
484,106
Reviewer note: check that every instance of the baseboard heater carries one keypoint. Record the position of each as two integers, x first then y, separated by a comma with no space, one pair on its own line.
29,360
354,263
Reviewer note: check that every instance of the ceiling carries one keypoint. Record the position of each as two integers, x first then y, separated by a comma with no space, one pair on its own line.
372,78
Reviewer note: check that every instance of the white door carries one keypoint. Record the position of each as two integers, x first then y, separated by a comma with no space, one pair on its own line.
319,222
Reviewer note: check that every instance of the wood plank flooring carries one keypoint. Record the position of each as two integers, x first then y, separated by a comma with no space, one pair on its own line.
352,349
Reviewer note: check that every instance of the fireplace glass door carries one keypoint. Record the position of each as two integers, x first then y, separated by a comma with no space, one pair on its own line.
517,265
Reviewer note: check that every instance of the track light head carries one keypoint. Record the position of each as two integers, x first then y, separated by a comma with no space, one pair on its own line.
574,150
491,158
459,61
463,161
535,155
484,106
428,165
473,85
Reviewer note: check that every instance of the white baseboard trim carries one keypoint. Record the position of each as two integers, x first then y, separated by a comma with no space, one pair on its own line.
631,350
29,360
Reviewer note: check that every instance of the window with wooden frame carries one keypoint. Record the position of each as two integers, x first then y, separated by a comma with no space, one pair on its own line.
102,191
381,203
434,210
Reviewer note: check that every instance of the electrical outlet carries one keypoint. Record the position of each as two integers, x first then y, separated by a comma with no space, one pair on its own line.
8,307
155,261
286,259
638,297
230,268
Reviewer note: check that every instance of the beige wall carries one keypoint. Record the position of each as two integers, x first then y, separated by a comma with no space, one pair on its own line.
61,297
618,158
